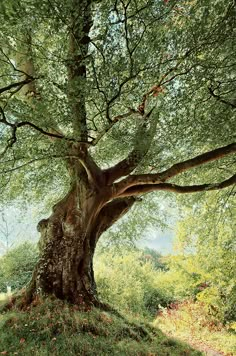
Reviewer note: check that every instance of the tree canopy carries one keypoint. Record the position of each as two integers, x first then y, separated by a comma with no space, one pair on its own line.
157,71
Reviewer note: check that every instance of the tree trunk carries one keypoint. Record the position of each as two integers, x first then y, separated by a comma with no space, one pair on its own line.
70,234
65,268
67,244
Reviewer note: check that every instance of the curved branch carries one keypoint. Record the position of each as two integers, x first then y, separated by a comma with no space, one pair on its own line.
127,165
157,178
39,129
117,95
17,85
112,212
17,125
219,98
141,189
112,123
198,160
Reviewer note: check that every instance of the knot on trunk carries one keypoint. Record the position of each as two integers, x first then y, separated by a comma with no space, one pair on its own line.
42,224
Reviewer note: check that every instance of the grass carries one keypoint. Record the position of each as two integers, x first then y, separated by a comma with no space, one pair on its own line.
189,323
56,328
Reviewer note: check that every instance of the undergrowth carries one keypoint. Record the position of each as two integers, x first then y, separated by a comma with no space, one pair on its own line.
53,328
191,323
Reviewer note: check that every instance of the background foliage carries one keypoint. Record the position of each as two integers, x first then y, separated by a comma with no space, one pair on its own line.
17,265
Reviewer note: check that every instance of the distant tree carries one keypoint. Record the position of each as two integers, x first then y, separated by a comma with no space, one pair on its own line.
154,257
5,233
104,101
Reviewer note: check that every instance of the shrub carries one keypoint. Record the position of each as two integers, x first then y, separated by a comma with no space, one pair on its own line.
129,282
17,266
219,303
156,298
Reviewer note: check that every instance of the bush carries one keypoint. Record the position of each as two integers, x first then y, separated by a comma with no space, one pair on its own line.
219,303
129,283
156,298
17,266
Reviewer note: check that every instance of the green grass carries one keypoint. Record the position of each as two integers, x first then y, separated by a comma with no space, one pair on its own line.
56,328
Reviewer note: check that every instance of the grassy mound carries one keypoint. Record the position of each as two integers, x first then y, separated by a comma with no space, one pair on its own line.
56,328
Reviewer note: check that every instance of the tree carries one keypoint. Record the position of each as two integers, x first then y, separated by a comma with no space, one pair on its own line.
5,233
106,101
155,258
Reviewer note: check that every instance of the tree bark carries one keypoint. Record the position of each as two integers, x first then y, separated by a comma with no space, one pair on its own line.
68,240
67,245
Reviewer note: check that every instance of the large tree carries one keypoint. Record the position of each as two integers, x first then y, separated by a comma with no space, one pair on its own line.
103,101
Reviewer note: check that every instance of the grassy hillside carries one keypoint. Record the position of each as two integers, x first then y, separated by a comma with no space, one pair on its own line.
56,328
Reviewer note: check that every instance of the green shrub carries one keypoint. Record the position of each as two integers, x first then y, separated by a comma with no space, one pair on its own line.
129,282
17,266
156,298
230,305
219,303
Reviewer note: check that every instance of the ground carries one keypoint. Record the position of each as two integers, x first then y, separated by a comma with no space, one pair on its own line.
55,328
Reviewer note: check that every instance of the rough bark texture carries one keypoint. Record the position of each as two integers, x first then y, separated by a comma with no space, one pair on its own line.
68,240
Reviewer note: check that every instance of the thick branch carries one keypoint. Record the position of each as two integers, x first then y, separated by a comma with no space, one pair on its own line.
157,178
142,142
17,85
141,189
25,63
94,172
112,212
198,160
81,23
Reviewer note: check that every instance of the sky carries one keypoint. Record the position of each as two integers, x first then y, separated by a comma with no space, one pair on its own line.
159,240
17,224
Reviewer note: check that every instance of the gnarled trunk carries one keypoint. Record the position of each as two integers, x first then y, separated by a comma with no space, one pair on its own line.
67,244
66,265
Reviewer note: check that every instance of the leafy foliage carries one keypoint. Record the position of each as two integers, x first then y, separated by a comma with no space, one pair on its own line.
141,84
17,265
130,282
181,49
206,236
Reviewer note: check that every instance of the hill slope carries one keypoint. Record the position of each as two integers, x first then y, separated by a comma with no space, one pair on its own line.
56,328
